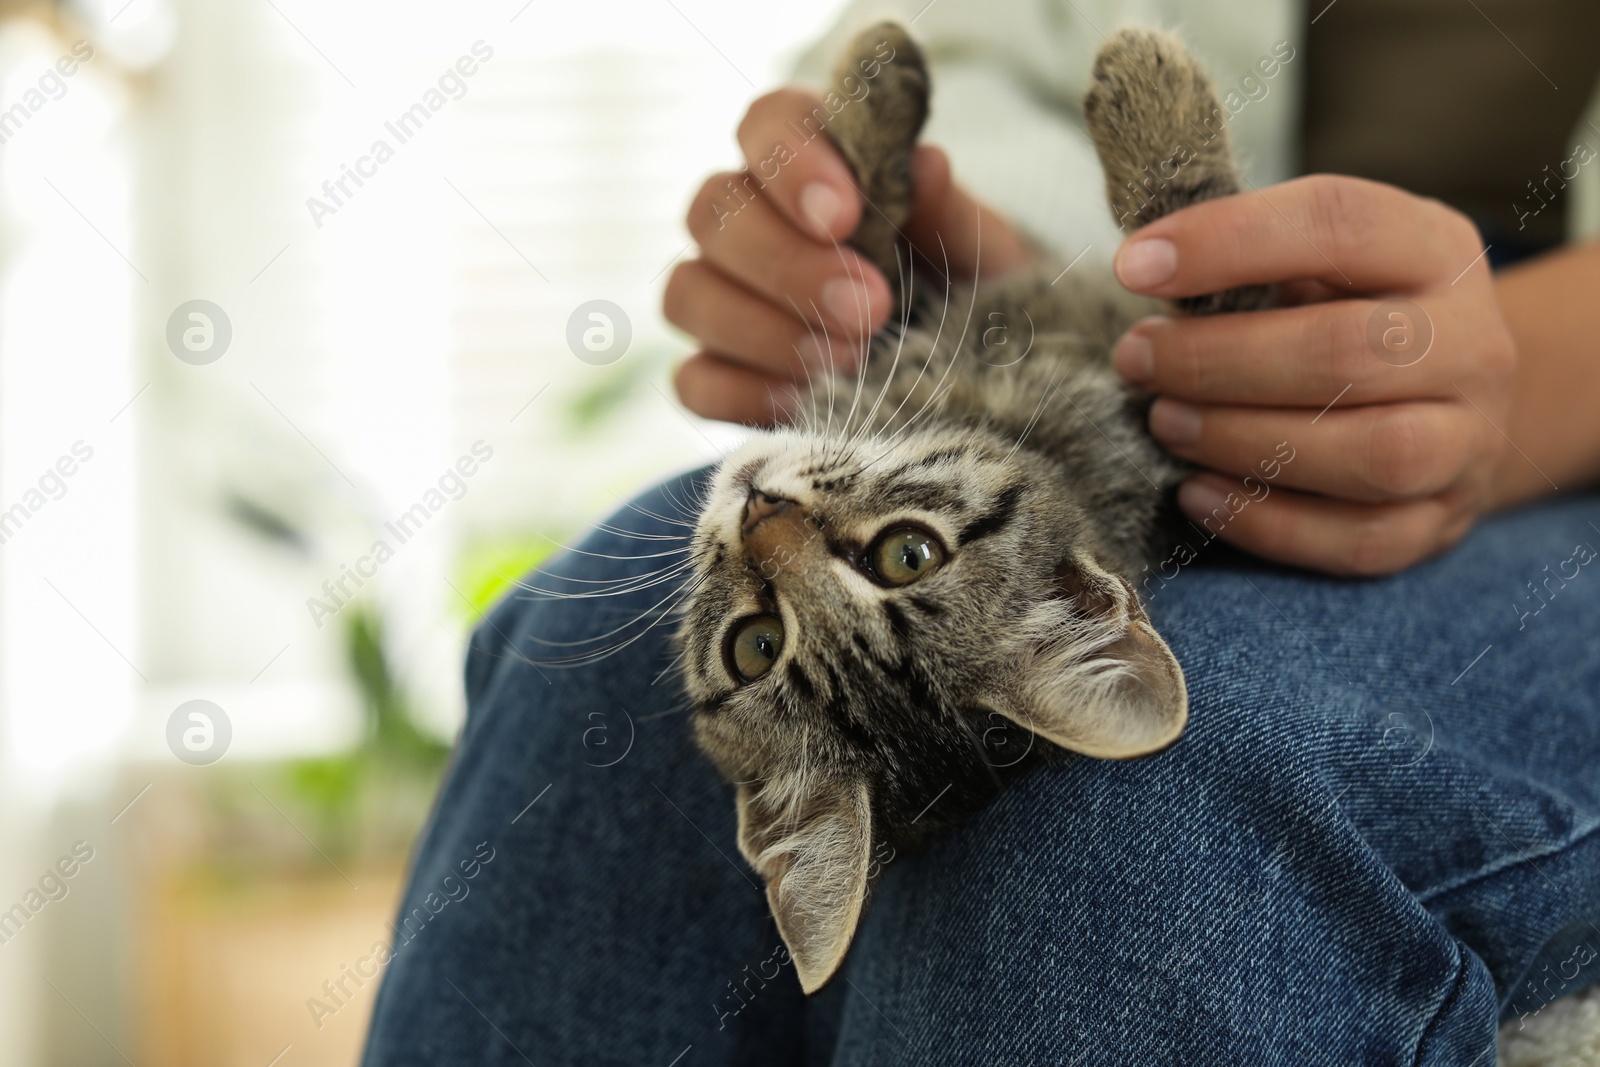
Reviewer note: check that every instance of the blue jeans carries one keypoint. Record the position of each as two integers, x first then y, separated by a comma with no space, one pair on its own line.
1377,838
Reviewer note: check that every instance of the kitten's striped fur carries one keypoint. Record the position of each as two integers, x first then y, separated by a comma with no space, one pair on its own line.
991,419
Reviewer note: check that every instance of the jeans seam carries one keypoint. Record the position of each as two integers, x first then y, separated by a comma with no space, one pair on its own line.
1520,859
1452,994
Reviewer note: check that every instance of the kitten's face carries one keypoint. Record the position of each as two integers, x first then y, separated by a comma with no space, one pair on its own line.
876,633
856,608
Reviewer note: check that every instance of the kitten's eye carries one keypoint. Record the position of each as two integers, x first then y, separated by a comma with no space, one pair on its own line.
754,646
904,554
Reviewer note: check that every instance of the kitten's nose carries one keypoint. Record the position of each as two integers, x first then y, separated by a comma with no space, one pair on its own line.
761,507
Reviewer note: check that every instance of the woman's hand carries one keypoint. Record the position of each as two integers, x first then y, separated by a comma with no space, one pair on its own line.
1389,376
774,294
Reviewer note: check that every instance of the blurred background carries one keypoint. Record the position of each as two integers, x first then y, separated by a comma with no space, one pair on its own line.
301,366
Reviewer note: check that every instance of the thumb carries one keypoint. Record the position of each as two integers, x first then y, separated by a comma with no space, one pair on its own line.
949,226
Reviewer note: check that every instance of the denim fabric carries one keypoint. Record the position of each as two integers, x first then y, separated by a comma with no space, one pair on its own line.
1377,838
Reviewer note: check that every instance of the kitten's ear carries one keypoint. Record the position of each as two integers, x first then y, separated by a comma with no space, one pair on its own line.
814,852
1097,678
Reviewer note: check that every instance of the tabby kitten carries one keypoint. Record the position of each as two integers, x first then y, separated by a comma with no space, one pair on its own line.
924,587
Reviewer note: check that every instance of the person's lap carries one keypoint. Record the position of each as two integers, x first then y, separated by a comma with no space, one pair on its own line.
1376,837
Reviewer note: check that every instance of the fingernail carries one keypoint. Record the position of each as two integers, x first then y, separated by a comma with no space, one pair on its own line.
1134,358
820,205
845,301
1200,501
1146,264
1174,423
827,353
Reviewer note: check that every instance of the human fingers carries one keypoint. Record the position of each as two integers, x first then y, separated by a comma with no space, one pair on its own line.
1353,235
796,168
830,285
743,327
1361,351
1333,536
716,388
1369,454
